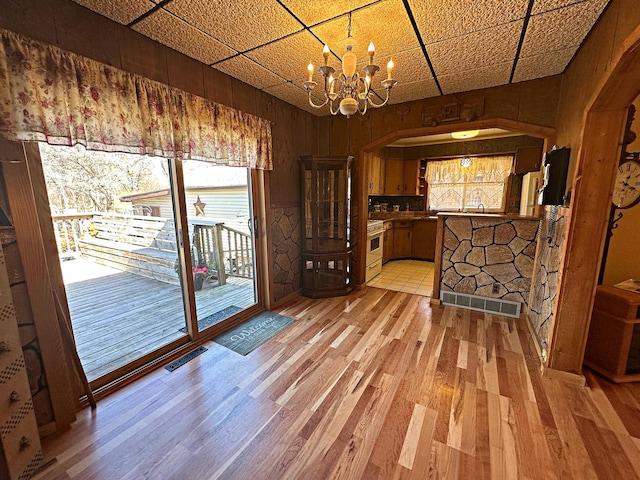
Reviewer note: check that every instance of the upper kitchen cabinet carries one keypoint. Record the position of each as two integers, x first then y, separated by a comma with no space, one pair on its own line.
394,176
528,159
376,175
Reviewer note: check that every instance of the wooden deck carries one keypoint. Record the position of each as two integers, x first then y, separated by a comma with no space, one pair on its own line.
119,316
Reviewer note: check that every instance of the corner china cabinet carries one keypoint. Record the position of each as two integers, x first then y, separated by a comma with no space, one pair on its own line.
326,212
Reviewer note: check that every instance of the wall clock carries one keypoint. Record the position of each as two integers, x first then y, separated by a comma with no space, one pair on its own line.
626,191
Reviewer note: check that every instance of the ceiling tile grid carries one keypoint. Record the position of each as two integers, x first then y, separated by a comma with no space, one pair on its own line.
470,44
439,20
290,56
561,28
239,24
490,76
121,11
179,35
371,24
476,50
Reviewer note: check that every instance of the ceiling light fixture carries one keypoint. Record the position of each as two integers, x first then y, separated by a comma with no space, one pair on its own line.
465,134
351,90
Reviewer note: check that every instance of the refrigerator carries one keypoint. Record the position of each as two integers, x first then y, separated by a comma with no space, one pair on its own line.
528,195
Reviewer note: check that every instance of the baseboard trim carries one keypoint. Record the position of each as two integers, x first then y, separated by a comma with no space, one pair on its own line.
567,377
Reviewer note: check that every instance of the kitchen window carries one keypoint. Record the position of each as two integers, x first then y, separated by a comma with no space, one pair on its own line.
467,183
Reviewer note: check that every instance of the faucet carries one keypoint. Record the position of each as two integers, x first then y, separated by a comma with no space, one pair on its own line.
481,205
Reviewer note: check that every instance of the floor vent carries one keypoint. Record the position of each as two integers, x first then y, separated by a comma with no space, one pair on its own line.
184,359
481,304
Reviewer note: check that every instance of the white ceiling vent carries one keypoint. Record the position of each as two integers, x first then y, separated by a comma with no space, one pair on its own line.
481,304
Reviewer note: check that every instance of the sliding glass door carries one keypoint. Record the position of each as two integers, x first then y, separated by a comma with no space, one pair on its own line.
137,286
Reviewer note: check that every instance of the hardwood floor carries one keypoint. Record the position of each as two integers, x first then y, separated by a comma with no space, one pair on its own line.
376,385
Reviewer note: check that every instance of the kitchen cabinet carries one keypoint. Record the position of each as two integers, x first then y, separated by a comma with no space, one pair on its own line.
376,175
528,159
423,244
387,245
394,176
411,185
402,232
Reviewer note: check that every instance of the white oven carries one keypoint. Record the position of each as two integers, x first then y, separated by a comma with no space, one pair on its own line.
375,231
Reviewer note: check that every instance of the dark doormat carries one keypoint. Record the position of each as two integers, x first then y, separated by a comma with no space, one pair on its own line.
185,358
254,332
214,318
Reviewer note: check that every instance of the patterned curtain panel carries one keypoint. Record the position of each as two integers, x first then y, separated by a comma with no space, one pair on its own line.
452,186
53,96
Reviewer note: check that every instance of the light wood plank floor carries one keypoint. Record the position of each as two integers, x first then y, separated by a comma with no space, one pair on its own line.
376,385
119,316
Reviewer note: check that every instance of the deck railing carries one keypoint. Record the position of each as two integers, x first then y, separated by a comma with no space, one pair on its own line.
68,229
215,245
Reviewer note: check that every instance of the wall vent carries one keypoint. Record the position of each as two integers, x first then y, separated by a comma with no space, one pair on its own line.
498,306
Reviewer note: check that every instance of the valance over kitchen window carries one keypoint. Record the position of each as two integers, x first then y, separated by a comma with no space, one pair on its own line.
54,96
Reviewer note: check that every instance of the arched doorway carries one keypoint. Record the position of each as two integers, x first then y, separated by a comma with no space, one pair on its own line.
546,133
598,157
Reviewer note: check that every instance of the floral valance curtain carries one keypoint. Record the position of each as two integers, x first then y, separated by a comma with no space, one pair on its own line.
54,96
482,169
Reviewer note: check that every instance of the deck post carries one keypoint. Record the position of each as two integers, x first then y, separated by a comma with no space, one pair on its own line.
218,249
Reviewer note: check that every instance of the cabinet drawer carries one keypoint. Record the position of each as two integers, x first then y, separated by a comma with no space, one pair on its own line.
402,223
374,269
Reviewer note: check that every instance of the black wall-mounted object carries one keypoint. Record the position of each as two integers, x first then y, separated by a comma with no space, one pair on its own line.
554,183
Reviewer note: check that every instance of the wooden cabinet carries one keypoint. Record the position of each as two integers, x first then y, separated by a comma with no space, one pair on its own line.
402,232
528,159
423,244
326,216
394,176
376,175
387,245
613,344
411,185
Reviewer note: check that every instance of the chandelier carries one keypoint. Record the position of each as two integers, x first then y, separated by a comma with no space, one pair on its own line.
349,92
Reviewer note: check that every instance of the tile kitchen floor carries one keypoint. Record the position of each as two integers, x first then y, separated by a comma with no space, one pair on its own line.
410,276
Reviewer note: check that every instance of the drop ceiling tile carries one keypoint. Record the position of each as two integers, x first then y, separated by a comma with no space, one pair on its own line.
476,50
562,28
121,11
311,13
290,56
289,93
485,77
406,92
385,23
249,72
179,35
543,65
410,66
442,19
541,6
241,25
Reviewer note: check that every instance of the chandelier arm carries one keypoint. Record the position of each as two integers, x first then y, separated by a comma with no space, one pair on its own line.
374,105
326,100
333,112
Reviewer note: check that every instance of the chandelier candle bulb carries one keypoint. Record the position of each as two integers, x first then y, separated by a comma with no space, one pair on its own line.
389,69
325,53
310,68
372,51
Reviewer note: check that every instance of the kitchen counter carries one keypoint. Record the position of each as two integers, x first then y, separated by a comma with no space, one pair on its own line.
401,216
487,215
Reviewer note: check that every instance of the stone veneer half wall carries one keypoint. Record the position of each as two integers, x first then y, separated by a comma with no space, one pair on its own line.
483,255
285,235
547,271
